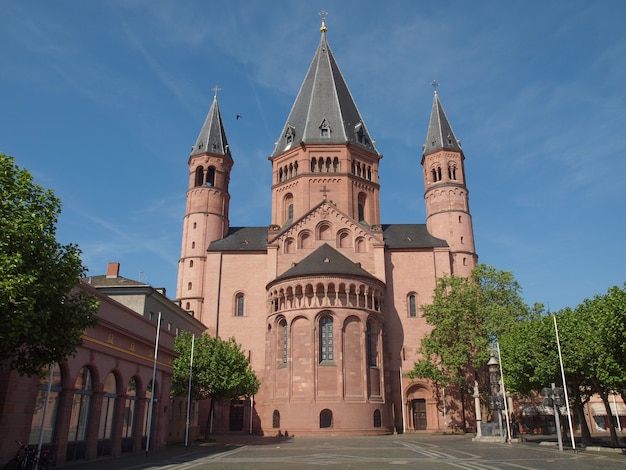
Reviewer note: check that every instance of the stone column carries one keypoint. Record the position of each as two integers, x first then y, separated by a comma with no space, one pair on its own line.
476,396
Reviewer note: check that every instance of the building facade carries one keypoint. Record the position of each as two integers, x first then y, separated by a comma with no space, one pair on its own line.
326,298
99,399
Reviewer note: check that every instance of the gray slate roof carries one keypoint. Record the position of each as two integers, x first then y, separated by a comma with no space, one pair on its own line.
324,100
324,261
399,236
396,236
212,138
242,239
440,135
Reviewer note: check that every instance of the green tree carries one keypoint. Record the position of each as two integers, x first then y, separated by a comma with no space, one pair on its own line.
467,315
43,316
220,369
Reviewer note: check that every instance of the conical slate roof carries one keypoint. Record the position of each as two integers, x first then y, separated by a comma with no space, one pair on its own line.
212,138
325,261
440,135
324,110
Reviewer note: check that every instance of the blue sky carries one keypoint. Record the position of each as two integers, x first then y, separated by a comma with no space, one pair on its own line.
101,102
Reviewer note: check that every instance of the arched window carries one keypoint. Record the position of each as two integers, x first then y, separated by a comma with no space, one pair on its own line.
276,419
328,163
434,175
189,286
199,180
370,339
412,305
295,169
335,165
79,419
438,173
313,165
326,419
377,419
284,338
280,175
320,164
210,176
239,305
191,263
53,404
288,207
326,339
130,418
107,414
361,207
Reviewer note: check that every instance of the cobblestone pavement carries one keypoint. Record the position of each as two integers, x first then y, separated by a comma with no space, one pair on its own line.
409,451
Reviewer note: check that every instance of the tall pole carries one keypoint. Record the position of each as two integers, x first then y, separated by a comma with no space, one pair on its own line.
45,411
251,409
154,366
569,414
506,405
402,401
193,339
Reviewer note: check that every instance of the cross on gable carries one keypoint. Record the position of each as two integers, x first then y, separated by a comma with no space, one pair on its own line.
325,191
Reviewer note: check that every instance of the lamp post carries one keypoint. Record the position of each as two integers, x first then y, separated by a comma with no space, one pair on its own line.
553,396
496,401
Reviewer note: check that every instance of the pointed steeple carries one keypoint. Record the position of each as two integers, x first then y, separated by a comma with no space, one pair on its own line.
212,138
324,111
440,135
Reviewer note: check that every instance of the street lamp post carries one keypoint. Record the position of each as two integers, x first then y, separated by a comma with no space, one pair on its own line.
496,400
553,396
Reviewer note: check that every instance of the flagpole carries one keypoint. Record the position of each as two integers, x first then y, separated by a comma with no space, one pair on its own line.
193,339
156,355
45,411
569,413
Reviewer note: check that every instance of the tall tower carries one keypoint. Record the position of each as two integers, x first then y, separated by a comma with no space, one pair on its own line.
446,196
206,213
325,150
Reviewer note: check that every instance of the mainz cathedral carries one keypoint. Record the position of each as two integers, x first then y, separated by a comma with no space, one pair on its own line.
326,299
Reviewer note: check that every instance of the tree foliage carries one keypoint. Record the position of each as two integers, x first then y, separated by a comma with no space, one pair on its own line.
43,316
466,314
593,346
220,369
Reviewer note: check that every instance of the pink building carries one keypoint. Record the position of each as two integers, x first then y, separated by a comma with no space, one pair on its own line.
326,298
99,400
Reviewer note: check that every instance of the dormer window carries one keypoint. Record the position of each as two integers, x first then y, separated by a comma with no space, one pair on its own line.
359,132
290,134
324,129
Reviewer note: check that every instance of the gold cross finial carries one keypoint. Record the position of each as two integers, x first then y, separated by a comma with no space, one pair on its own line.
323,15
215,90
434,84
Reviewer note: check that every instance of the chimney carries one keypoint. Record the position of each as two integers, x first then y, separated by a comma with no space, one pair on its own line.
113,270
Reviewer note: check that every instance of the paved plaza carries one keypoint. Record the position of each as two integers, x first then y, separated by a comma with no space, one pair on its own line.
397,451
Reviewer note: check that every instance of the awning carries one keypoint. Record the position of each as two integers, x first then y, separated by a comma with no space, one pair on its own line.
537,410
597,409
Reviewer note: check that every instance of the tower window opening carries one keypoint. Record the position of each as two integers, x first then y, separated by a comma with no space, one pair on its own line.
189,286
452,171
460,220
328,164
276,419
438,173
361,208
199,179
324,129
353,167
295,169
193,244
335,165
280,175
320,164
369,173
291,170
313,165
210,176
434,175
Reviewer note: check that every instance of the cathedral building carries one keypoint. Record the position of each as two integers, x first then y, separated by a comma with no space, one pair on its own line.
326,298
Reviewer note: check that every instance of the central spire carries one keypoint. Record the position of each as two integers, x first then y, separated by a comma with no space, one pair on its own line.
324,111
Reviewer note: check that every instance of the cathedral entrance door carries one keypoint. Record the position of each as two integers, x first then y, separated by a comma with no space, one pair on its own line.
235,421
419,414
